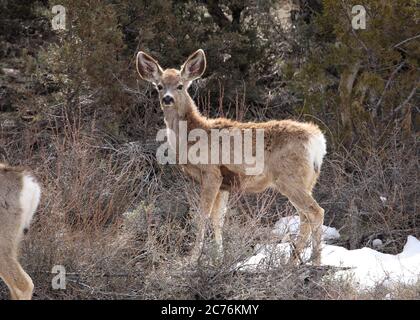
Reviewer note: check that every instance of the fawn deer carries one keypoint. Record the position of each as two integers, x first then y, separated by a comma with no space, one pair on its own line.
19,198
293,154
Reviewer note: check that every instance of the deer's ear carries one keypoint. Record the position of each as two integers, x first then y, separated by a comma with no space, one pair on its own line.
148,68
195,66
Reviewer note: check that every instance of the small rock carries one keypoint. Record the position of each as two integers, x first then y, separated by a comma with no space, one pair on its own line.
377,243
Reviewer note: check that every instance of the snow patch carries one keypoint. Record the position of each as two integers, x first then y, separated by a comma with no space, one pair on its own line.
289,226
368,267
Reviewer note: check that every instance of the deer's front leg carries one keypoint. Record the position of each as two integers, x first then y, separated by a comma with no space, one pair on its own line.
218,219
210,186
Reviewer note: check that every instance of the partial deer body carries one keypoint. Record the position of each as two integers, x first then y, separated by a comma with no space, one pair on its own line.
293,154
19,198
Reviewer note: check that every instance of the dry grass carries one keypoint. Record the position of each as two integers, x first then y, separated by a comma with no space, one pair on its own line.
120,223
370,192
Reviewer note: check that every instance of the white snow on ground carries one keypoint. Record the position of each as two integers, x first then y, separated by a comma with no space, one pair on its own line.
290,226
368,267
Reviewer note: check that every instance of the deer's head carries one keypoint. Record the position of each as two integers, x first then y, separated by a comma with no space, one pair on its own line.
172,84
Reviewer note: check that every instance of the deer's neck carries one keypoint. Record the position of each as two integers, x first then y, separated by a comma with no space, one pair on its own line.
180,121
188,114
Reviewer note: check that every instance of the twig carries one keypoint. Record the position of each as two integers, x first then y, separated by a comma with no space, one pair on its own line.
387,84
93,290
406,100
406,40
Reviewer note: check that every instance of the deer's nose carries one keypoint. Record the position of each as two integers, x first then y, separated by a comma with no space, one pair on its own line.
168,100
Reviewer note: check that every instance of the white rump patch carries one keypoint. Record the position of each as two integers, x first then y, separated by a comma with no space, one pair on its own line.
317,148
29,199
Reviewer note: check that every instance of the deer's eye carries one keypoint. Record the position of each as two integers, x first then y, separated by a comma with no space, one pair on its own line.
180,87
160,87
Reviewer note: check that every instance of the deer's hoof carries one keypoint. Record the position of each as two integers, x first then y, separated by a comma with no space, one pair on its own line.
294,260
316,260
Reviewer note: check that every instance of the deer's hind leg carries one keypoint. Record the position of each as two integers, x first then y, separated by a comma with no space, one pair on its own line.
311,219
18,281
300,243
317,226
12,273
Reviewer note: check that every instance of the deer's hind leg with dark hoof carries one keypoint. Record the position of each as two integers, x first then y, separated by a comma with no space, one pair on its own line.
311,220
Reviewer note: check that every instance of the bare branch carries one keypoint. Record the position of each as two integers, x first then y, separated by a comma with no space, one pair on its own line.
406,100
406,40
387,85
